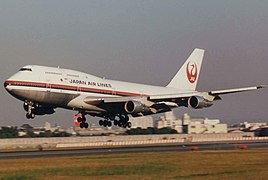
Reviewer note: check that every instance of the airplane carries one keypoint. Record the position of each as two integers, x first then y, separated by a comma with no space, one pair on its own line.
43,89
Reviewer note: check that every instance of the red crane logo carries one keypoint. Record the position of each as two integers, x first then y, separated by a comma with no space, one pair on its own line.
191,71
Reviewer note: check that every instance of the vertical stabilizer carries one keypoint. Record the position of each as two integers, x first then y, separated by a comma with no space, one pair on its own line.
187,77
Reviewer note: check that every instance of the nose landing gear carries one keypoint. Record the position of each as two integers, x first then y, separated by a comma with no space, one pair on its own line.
30,115
29,107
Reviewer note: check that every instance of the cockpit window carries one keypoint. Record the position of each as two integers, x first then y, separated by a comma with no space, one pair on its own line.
25,69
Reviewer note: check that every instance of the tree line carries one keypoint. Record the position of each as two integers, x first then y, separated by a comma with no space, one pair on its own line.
13,132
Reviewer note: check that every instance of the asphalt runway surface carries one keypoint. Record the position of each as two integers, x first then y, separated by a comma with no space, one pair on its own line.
136,149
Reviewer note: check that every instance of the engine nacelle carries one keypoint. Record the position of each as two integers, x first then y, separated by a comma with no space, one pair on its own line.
198,102
135,107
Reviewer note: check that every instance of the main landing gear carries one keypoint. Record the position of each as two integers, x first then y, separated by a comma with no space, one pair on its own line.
122,122
82,120
118,120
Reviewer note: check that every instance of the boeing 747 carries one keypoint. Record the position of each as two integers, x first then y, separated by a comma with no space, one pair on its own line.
43,89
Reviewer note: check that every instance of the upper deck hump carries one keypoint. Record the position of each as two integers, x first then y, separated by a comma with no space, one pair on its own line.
60,71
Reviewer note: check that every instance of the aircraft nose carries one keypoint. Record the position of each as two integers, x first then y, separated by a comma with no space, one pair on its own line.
6,85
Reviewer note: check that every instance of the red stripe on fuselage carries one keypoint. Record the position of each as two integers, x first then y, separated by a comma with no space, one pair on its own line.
68,87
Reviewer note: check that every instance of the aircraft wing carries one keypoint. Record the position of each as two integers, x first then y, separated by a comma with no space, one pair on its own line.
229,91
162,103
166,97
147,100
214,94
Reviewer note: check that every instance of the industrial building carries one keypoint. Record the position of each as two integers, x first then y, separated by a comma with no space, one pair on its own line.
143,122
190,125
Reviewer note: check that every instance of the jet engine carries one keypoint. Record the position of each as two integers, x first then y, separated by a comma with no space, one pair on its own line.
198,102
135,107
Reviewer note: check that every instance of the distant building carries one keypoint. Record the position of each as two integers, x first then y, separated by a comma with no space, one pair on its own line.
247,126
199,128
170,121
47,126
143,122
191,125
254,126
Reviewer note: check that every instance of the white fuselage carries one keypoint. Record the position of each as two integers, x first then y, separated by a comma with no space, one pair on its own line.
68,88
45,88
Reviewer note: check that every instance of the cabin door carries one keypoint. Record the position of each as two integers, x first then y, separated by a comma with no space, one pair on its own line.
48,85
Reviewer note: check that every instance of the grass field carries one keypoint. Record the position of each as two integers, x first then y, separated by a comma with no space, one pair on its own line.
229,164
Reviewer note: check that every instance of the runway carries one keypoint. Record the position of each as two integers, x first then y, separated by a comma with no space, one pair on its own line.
136,149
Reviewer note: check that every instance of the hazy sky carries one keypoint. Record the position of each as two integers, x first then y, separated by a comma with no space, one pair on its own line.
140,41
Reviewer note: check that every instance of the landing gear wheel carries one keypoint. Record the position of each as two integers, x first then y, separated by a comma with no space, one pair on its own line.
116,122
79,119
81,125
105,123
129,124
30,115
120,124
100,122
123,122
109,123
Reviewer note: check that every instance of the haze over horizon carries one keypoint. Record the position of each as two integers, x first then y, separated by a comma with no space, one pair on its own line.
140,41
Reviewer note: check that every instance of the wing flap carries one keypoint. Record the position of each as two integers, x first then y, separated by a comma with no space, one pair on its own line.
173,96
90,100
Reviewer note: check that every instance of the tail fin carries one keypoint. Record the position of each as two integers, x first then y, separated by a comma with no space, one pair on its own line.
187,77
